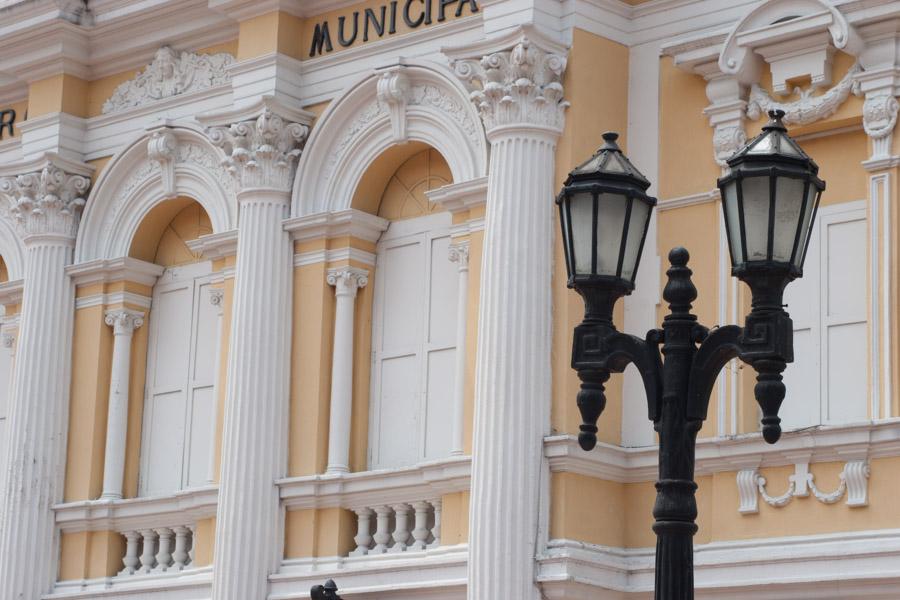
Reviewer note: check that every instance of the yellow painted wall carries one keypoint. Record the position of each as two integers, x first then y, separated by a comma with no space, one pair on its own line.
204,542
620,515
595,78
90,554
4,271
271,32
89,396
58,93
455,518
319,532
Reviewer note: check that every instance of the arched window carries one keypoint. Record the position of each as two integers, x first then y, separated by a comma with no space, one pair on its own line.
414,320
6,363
178,415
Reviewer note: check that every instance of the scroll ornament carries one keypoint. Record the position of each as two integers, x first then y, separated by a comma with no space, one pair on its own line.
808,109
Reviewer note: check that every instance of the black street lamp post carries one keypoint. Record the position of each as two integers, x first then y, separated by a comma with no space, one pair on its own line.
324,592
770,195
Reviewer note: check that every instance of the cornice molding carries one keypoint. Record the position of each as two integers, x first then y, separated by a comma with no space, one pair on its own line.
137,513
373,488
715,455
460,197
350,222
215,245
112,270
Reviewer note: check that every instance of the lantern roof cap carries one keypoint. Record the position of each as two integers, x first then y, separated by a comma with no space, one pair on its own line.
609,161
773,142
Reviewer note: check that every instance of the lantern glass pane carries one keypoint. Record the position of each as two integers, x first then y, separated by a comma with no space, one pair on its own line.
733,222
637,224
610,227
789,148
581,206
806,227
756,217
764,146
788,204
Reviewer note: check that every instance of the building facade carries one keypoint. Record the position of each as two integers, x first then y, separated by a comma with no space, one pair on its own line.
283,297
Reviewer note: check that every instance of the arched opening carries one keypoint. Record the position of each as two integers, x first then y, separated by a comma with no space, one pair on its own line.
414,309
6,373
178,412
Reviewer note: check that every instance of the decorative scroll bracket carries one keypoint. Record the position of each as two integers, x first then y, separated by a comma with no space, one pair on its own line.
854,485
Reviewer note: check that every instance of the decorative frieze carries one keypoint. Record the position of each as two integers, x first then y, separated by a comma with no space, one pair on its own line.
853,486
170,74
48,201
263,152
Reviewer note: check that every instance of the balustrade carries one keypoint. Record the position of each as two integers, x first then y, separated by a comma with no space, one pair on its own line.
158,550
402,527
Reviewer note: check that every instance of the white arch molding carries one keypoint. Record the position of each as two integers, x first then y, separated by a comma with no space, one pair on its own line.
415,101
11,249
166,162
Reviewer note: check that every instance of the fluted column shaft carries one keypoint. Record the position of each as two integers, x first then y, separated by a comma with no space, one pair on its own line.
346,282
123,322
513,367
37,421
459,253
519,94
254,451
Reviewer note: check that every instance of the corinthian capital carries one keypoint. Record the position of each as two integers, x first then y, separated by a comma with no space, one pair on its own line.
516,80
45,201
262,152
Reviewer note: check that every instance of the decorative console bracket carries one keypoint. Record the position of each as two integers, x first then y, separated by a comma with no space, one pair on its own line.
854,485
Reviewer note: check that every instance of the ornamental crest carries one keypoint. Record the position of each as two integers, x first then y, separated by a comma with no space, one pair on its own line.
170,74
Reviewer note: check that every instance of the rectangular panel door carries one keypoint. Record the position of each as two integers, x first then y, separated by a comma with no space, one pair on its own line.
202,385
844,317
166,401
400,295
440,349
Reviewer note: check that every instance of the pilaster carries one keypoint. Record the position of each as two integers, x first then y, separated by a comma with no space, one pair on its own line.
262,145
515,81
45,202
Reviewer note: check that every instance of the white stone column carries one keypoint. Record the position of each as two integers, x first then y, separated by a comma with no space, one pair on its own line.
459,253
216,298
123,322
262,154
346,282
518,92
46,206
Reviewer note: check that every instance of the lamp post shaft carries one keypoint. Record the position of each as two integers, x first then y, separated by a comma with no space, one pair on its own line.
675,510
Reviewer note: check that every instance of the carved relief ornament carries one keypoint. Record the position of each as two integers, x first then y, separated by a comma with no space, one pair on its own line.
168,75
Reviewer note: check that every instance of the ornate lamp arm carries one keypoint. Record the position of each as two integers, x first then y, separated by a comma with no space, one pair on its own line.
599,350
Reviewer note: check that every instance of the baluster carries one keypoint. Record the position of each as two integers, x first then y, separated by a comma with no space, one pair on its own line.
401,528
180,555
363,537
382,529
131,560
164,550
436,530
148,556
420,533
193,536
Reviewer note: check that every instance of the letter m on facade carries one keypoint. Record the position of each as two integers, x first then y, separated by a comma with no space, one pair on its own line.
321,40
